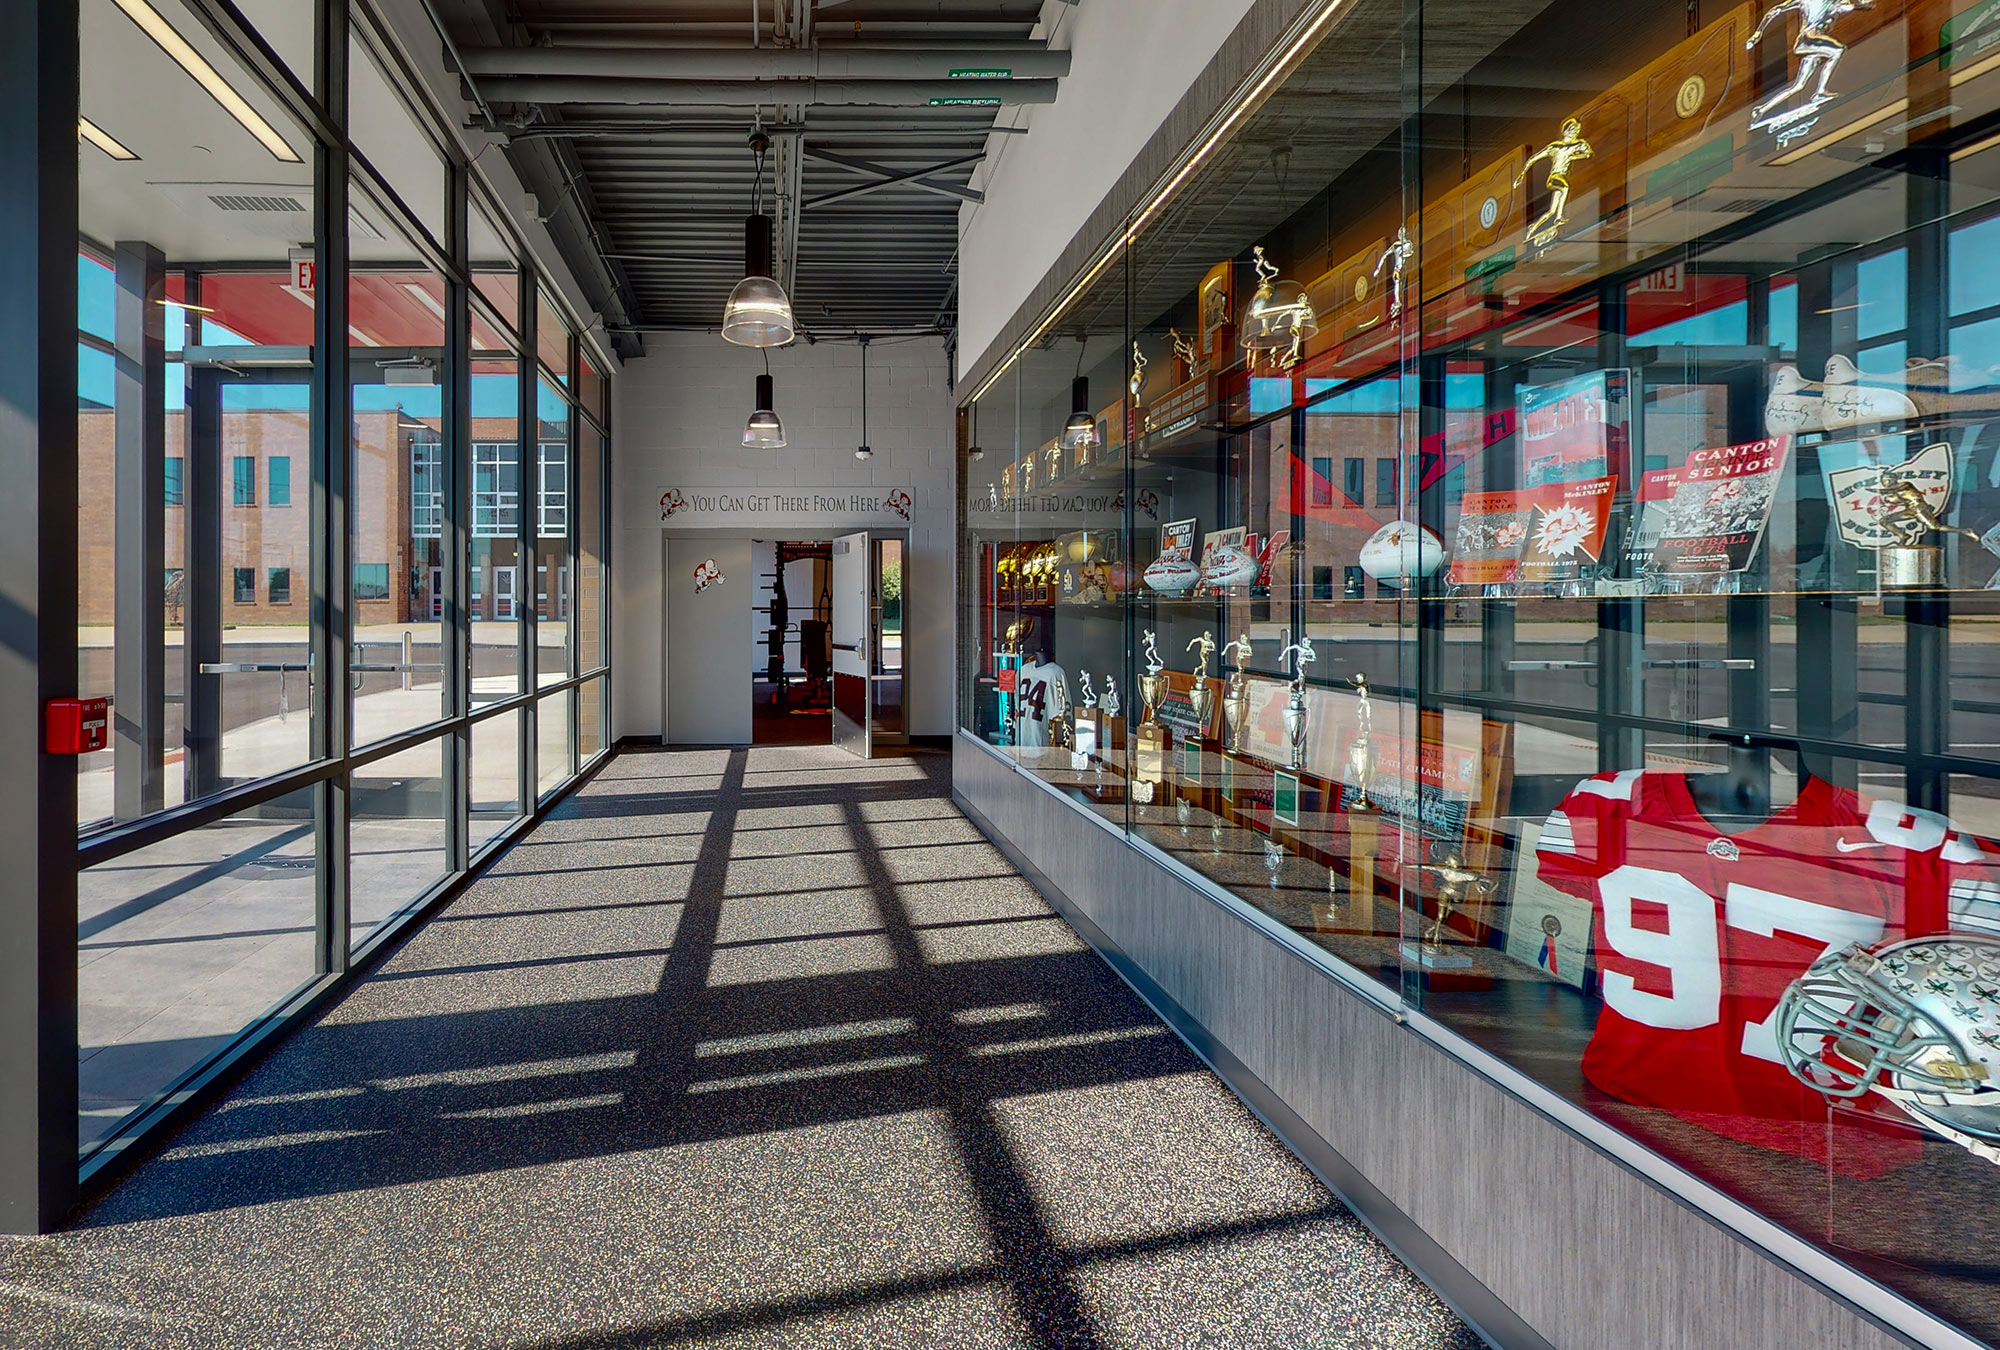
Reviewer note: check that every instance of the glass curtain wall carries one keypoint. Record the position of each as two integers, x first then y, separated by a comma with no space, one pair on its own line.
1549,573
302,480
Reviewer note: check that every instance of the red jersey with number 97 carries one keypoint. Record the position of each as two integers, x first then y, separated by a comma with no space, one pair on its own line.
1697,933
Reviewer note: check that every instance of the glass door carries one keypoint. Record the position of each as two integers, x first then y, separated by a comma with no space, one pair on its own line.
885,676
853,618
248,702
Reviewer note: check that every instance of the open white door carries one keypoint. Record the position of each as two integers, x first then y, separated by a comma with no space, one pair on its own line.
853,719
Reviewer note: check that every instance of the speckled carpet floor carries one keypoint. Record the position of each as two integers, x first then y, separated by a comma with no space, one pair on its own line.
738,1048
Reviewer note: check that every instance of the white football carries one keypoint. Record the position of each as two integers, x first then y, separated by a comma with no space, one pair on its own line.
1171,575
1229,565
1400,550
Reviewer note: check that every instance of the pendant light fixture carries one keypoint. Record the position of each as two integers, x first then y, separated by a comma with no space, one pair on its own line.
764,431
759,314
1080,432
862,451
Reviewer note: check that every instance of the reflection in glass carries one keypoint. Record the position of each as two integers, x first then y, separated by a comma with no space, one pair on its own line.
396,837
552,489
552,741
183,944
396,323
496,776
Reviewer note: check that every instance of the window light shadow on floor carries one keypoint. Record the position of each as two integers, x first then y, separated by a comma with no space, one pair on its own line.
865,1090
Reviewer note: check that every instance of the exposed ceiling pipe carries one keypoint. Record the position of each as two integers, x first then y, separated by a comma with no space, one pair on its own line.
791,160
759,93
763,63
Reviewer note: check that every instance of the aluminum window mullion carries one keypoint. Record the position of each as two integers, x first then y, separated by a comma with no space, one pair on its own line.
528,435
314,110
455,641
332,420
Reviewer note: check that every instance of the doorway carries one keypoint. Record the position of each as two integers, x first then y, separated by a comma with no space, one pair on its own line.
791,677
818,622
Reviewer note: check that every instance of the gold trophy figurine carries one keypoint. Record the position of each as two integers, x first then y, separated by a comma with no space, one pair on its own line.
1909,518
1396,258
1201,697
1184,356
1560,154
1454,881
1295,706
1138,380
1818,52
1017,632
1150,739
1361,754
1236,698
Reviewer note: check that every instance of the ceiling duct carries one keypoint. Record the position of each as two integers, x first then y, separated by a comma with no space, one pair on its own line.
758,93
767,63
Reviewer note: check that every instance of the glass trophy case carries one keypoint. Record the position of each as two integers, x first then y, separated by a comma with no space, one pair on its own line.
1540,546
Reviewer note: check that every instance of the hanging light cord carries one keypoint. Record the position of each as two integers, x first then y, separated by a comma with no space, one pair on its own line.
757,193
864,389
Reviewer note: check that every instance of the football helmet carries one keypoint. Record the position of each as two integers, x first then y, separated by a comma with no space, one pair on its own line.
1917,1021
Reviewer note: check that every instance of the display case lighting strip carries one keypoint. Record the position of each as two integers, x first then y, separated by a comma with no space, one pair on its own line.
1306,34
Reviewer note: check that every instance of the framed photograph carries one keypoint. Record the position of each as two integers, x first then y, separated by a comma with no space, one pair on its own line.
1191,761
1545,928
1285,797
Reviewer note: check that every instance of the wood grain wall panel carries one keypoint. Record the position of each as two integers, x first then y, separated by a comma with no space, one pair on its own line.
1586,1251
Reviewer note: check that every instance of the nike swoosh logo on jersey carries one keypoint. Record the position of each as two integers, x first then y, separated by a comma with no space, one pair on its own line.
1856,845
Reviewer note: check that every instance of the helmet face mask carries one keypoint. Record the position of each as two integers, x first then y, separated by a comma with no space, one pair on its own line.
1917,1021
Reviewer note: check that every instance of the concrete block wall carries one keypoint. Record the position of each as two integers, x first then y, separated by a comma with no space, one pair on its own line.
678,415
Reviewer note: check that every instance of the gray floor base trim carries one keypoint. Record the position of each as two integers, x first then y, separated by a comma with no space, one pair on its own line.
1482,1309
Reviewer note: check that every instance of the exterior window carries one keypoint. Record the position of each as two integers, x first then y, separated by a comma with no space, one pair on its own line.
426,489
371,581
246,585
243,490
1354,481
1385,482
278,586
1322,481
553,495
175,489
1353,582
496,489
278,480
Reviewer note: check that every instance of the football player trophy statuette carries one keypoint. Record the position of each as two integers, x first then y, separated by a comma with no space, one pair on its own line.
1361,754
1454,882
1201,697
1236,698
1109,705
1560,154
1295,706
1908,517
1818,52
1086,734
1150,739
1396,258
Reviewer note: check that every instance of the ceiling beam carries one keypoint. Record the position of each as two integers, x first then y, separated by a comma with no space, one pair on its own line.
763,93
763,63
917,179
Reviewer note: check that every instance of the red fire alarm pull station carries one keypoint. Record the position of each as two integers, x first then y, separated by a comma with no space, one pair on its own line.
78,726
